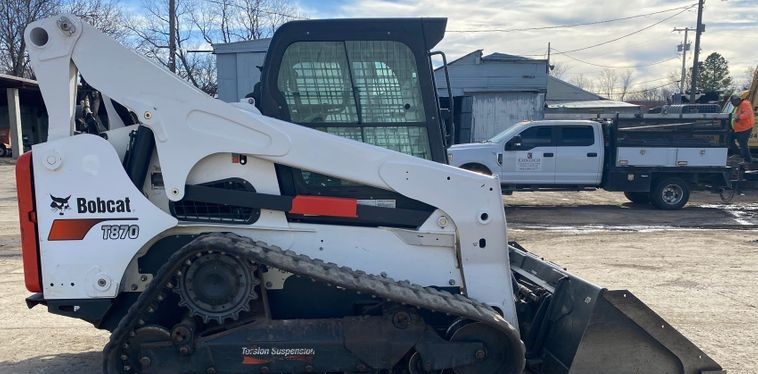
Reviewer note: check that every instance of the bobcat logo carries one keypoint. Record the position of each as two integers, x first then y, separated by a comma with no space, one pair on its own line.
529,155
60,204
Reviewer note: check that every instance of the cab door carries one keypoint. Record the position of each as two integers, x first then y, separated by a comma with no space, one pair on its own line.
579,155
532,160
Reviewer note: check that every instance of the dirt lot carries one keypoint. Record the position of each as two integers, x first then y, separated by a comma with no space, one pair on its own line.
696,267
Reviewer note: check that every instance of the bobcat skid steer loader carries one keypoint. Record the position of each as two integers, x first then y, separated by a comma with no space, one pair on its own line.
209,238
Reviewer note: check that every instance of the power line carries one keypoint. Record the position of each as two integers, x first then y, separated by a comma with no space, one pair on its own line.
629,34
565,54
575,24
652,80
646,89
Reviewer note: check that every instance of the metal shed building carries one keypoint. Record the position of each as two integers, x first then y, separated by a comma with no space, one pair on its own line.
23,117
238,67
493,92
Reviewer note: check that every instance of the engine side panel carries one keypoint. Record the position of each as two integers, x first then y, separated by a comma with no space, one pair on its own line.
94,220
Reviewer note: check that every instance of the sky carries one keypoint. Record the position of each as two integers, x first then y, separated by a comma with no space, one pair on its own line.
650,50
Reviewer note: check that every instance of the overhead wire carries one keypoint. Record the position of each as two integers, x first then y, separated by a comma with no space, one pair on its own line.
649,81
628,34
684,8
615,67
646,89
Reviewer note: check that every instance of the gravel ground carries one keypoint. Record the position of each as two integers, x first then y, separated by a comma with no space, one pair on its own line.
695,267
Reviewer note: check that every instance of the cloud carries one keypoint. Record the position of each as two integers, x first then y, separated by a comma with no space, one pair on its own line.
732,30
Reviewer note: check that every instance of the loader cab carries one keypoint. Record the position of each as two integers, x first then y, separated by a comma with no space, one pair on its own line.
369,80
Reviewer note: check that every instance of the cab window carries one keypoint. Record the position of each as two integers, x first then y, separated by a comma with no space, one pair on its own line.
576,136
367,91
538,136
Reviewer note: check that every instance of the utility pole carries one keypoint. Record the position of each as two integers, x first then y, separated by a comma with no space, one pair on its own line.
699,30
684,47
172,37
549,67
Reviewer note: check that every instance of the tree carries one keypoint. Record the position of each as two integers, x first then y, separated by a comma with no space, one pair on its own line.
200,24
713,74
17,14
559,70
626,83
581,81
606,82
105,15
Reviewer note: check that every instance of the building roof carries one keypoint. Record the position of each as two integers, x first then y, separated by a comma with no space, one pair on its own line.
497,56
593,104
494,73
559,91
245,46
10,81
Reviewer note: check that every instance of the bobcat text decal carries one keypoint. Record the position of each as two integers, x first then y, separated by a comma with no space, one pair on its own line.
103,206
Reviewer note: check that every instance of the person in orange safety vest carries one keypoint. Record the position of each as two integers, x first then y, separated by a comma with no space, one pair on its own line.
742,125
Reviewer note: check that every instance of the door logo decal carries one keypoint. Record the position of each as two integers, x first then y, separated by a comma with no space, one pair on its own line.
60,204
528,162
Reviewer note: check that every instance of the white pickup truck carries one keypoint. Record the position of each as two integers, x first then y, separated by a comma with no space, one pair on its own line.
657,159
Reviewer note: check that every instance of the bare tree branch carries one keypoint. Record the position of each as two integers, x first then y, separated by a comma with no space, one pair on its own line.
626,83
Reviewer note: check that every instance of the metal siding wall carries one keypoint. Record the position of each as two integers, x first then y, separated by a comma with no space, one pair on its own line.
237,74
226,70
248,73
493,113
464,119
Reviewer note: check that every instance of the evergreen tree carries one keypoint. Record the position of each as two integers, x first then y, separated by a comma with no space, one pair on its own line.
713,74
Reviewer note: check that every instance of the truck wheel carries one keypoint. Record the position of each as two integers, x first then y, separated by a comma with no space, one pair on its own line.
3,150
476,168
670,194
638,197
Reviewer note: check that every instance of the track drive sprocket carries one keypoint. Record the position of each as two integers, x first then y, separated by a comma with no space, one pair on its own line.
217,286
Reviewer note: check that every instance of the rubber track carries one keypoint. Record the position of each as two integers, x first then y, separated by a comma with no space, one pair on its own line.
261,253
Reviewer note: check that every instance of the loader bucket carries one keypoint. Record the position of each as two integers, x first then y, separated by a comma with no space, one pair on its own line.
571,326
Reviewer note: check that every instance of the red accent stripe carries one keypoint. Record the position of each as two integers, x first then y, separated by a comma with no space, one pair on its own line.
324,206
76,229
28,219
72,229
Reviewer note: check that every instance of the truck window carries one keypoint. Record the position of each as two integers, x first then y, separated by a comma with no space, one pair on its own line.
576,136
538,136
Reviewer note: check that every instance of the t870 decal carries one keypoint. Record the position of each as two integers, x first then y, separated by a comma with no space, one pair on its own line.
116,232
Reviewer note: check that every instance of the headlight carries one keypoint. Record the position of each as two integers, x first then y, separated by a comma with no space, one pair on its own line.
449,157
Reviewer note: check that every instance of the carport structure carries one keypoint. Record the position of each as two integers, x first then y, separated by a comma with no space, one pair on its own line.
23,100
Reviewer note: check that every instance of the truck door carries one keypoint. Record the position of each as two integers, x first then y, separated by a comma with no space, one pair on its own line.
578,156
532,160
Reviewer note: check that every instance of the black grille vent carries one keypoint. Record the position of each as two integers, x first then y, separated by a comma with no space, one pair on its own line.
198,211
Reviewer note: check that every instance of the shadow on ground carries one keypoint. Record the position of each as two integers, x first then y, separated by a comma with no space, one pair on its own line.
628,214
66,363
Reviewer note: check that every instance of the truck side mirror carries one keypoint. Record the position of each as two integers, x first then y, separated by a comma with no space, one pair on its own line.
514,143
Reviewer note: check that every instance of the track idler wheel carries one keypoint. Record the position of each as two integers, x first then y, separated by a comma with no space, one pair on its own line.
497,355
131,359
